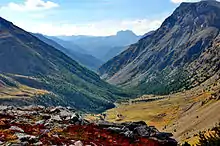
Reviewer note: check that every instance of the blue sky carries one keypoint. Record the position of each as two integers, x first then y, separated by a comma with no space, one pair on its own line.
87,17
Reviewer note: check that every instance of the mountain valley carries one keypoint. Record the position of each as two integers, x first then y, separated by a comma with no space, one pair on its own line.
115,90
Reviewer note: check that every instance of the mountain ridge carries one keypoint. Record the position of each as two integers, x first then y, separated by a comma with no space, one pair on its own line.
31,62
159,62
84,59
99,46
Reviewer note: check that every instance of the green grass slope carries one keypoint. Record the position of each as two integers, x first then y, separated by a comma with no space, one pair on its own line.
33,63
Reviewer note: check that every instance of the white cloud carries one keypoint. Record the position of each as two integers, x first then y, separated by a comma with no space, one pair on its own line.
31,5
37,21
101,28
180,1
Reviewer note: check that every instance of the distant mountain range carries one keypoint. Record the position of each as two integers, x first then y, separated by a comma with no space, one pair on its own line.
73,51
33,72
181,54
103,48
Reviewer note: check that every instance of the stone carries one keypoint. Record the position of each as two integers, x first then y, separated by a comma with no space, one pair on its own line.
40,122
33,139
73,141
48,125
45,116
21,144
55,118
55,110
163,135
45,131
129,134
38,143
23,137
142,131
65,115
34,113
75,119
78,143
115,129
133,125
17,129
71,109
2,108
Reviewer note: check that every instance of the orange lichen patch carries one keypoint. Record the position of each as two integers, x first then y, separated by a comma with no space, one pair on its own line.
202,97
57,130
7,135
2,123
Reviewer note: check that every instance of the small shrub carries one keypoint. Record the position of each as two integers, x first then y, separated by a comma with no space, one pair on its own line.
186,144
210,139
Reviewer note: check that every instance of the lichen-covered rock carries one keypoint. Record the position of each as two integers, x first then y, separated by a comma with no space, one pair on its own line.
61,126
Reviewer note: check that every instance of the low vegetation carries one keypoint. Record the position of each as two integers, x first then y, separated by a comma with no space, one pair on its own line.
210,138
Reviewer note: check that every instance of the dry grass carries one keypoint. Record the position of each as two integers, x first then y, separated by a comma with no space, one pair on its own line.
24,92
184,114
18,91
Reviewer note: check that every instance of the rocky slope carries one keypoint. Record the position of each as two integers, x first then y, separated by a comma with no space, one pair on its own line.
114,52
181,54
37,125
29,62
84,59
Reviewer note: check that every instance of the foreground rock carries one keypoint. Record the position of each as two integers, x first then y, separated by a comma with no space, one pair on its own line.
37,125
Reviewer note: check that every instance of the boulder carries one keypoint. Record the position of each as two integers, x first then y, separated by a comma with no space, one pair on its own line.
16,129
78,143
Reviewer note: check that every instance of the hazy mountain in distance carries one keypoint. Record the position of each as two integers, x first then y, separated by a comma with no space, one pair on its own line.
28,65
114,52
84,59
100,46
181,54
68,45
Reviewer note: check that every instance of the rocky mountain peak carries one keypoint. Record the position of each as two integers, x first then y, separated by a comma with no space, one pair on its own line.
4,23
125,33
200,14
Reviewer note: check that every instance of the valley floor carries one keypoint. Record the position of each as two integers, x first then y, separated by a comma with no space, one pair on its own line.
184,114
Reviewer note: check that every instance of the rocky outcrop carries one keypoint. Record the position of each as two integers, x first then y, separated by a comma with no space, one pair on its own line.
37,125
